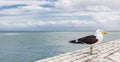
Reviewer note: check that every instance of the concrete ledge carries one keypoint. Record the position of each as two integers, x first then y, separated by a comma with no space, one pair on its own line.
105,52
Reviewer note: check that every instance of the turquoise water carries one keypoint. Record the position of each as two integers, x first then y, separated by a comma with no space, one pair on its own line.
32,46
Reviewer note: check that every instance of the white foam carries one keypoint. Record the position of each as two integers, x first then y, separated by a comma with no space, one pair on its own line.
10,33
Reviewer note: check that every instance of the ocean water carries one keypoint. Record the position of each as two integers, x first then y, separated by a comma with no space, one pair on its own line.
32,46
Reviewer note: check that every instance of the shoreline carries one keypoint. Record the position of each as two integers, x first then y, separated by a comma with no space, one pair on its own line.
109,52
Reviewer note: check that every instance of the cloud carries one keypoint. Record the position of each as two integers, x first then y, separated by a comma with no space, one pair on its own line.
98,8
94,5
7,3
74,23
34,7
108,20
60,13
28,8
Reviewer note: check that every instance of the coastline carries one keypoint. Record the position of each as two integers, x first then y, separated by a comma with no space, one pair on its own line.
109,52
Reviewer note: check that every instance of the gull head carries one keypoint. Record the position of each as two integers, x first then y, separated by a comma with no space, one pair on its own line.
100,32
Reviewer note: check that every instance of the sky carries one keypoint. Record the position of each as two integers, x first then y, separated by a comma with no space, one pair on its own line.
51,15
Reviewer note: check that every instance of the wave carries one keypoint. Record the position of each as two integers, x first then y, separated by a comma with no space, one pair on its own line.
10,33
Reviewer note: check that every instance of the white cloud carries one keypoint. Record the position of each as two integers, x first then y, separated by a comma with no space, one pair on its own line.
74,23
15,11
103,13
31,7
105,19
98,8
24,10
108,21
88,4
34,7
7,3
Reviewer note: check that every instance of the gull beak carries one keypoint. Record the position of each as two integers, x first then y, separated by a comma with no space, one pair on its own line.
104,32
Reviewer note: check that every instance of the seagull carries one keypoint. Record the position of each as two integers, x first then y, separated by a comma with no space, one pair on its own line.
90,40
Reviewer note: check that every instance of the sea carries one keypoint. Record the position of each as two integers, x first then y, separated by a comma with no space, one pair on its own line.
33,46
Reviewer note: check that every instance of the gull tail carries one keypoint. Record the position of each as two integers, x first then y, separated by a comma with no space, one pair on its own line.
76,41
72,41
